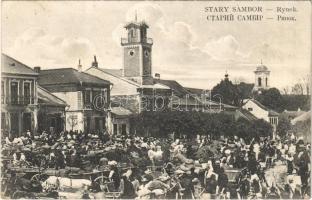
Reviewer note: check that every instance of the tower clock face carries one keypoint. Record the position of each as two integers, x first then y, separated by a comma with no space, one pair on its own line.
131,52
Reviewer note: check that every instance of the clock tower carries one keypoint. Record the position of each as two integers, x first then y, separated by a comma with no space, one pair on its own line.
137,53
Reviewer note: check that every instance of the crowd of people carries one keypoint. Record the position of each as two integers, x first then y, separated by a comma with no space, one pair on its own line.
188,168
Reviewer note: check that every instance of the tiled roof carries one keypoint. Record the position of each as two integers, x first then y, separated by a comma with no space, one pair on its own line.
271,112
114,72
291,113
304,117
12,66
68,76
248,115
196,91
178,89
46,98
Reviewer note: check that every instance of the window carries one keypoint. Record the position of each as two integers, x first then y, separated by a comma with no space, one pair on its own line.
79,99
3,121
115,129
2,92
124,129
87,97
104,95
14,92
250,109
259,81
266,82
27,93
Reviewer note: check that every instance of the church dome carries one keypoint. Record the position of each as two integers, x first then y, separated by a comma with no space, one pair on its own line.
262,68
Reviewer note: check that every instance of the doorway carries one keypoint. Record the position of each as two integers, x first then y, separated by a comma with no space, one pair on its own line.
26,122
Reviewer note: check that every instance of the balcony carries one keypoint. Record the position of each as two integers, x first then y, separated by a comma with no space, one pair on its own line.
125,41
17,100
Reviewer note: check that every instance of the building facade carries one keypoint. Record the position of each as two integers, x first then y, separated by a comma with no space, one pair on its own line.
261,112
24,104
87,97
136,90
19,100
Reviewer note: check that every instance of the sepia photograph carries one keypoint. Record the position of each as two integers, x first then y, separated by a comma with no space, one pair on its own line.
155,99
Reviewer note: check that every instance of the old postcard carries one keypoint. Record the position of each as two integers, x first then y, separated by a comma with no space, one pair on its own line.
156,99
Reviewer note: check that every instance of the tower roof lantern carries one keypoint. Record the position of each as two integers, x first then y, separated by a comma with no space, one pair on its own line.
262,68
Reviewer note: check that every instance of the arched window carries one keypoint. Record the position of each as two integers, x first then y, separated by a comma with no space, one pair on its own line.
131,35
259,81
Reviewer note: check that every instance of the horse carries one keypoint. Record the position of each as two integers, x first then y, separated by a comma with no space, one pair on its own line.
63,183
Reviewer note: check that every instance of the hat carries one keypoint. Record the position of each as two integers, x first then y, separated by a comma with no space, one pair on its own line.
184,168
204,165
26,149
228,151
254,177
158,192
197,164
144,180
195,180
164,178
179,171
112,163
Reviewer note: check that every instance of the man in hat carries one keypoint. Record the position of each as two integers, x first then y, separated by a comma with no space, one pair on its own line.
187,185
114,175
222,186
148,174
126,186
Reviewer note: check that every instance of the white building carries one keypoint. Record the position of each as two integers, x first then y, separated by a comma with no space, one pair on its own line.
261,112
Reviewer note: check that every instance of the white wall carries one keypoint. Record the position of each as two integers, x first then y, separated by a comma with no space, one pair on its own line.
119,121
257,111
80,122
71,98
120,87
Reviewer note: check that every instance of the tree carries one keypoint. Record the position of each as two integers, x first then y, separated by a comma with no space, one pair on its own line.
261,128
297,89
244,91
271,98
227,91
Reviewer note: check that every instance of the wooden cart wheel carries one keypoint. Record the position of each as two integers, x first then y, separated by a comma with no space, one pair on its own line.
101,180
36,177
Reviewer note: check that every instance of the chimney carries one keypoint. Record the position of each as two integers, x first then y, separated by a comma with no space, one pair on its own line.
95,63
37,69
157,75
79,66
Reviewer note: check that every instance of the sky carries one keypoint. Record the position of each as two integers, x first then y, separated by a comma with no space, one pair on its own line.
187,47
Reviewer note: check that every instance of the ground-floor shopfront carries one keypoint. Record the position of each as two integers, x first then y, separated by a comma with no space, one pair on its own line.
16,120
85,121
